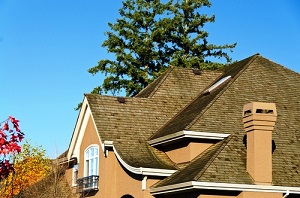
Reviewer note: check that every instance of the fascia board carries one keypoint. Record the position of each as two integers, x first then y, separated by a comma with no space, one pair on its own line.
187,134
78,127
223,186
144,171
167,138
157,172
205,135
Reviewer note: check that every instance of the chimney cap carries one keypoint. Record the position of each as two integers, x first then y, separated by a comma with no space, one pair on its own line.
259,108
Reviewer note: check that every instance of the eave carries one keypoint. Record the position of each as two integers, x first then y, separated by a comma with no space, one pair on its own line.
142,170
194,185
187,134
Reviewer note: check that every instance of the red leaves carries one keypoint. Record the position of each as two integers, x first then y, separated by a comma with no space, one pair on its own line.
5,127
10,137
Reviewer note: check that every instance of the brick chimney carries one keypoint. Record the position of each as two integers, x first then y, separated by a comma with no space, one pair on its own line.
259,121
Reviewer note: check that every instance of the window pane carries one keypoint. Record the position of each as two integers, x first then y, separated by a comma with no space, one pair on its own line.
91,159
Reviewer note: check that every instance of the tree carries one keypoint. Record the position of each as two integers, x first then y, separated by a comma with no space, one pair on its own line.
30,166
10,138
152,34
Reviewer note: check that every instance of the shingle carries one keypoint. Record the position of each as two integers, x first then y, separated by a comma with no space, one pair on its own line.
254,79
129,124
196,107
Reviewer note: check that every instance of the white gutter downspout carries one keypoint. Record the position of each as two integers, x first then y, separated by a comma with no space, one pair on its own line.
144,183
286,194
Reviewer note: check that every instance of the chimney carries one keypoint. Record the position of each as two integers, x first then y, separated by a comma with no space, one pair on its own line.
259,121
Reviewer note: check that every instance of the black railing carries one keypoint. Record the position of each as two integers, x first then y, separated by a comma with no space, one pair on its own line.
87,184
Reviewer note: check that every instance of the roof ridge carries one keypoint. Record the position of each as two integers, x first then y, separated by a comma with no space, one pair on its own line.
167,73
164,76
222,145
181,110
278,64
233,66
224,88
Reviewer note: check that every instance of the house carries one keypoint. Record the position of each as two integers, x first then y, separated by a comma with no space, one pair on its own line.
233,133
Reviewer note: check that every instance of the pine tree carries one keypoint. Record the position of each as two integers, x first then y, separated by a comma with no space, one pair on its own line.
151,35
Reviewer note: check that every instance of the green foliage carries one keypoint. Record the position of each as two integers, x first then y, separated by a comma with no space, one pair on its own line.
152,34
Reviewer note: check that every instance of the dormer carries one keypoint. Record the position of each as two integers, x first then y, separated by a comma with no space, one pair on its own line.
184,146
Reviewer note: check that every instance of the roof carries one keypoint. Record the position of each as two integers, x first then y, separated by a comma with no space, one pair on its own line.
200,168
200,103
253,79
129,124
180,100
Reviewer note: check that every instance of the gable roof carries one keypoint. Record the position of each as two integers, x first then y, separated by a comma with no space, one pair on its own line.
253,79
188,114
128,124
200,168
179,84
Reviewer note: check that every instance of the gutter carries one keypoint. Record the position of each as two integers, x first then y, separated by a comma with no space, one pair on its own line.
139,170
286,194
225,187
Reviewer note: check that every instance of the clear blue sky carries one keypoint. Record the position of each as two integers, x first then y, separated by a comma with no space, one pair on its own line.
46,48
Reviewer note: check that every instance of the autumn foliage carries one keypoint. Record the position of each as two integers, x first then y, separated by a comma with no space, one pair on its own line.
31,165
10,138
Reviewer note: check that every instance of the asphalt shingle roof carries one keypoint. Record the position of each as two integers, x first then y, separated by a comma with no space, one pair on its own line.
130,124
176,101
253,79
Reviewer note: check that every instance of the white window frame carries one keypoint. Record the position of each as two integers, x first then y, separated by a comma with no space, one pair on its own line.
87,160
75,175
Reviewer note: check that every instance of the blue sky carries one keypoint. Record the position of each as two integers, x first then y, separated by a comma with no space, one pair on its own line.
46,48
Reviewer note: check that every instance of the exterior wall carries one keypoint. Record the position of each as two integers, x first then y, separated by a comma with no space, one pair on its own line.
228,194
216,196
185,151
114,180
203,194
259,195
90,137
69,176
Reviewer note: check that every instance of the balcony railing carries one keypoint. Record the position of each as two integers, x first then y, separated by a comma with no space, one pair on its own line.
87,184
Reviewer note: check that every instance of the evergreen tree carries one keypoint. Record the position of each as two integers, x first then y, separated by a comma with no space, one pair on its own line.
150,35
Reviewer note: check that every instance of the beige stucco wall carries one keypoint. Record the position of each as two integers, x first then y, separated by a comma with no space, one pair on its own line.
185,151
259,195
114,180
216,196
225,194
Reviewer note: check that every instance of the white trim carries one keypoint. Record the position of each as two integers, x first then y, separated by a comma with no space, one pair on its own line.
82,120
79,131
220,82
74,175
86,169
187,134
106,145
223,186
144,183
144,171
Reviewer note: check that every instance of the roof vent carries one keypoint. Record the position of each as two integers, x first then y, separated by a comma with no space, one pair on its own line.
196,71
121,99
217,84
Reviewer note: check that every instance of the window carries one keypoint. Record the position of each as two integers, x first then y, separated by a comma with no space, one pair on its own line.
217,84
75,175
91,159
